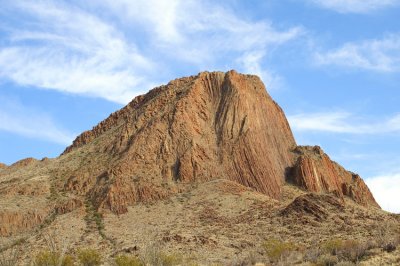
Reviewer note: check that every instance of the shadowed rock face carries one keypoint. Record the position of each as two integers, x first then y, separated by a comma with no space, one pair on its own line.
316,172
210,126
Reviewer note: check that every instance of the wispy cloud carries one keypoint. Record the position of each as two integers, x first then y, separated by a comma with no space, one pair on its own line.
118,49
386,191
208,35
355,6
27,122
342,122
382,55
61,47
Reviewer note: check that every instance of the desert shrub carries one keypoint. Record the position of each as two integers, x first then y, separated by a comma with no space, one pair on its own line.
389,247
9,257
353,250
50,258
124,260
170,259
312,254
332,246
276,249
327,260
345,263
89,257
155,256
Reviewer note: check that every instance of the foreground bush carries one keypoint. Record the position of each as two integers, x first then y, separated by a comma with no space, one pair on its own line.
89,257
49,258
353,250
333,246
124,260
327,260
277,249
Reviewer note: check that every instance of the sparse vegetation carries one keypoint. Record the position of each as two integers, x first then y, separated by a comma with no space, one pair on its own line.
277,249
124,260
327,260
50,258
89,257
332,246
9,257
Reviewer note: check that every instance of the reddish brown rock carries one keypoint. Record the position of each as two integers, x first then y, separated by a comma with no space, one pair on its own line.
316,172
3,166
68,206
12,222
318,207
204,127
24,162
195,129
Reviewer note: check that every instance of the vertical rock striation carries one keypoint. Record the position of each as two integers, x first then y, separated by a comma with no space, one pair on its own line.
195,129
316,172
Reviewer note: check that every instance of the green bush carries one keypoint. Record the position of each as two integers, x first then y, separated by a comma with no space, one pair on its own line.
48,258
89,257
333,246
124,260
276,249
170,259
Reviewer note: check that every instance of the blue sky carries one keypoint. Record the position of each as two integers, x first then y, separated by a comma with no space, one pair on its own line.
333,65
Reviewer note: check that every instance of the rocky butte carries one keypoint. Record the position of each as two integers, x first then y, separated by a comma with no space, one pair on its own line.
211,126
210,134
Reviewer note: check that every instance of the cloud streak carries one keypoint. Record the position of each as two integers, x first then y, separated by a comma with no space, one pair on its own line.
381,55
65,48
342,122
355,6
30,123
118,49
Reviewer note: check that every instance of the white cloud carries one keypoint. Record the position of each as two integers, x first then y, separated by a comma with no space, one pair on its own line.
342,122
355,6
386,191
30,123
70,50
207,35
118,49
381,55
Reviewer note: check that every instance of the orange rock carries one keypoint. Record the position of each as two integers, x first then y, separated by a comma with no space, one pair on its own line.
316,172
204,127
195,129
12,222
24,162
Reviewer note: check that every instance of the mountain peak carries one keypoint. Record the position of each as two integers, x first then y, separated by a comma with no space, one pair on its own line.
194,129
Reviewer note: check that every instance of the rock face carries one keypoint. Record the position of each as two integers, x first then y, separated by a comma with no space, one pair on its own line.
210,126
316,172
3,166
195,129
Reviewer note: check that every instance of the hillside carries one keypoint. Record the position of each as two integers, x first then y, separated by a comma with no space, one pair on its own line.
205,167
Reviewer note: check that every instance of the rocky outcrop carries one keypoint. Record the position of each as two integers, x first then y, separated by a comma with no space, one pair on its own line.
68,205
24,162
316,172
12,222
3,166
195,129
317,207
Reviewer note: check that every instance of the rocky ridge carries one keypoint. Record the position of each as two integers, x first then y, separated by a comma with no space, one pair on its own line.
193,130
